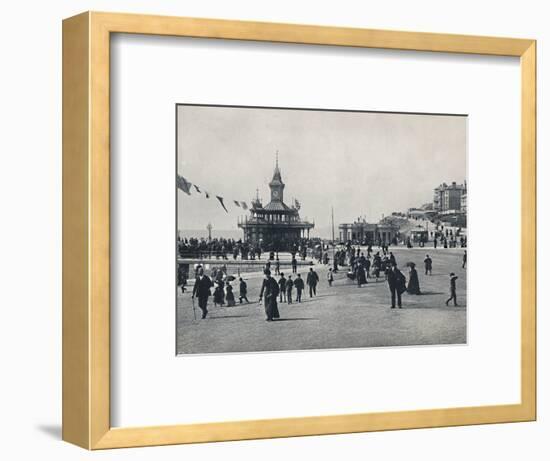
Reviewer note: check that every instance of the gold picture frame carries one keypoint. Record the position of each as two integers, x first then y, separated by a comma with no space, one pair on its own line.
86,230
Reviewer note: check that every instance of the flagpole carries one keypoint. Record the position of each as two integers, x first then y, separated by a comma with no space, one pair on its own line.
333,243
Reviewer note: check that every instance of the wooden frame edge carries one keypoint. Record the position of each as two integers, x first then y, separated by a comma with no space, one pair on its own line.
76,132
86,361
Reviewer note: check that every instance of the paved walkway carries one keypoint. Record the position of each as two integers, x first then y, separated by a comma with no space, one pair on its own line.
340,316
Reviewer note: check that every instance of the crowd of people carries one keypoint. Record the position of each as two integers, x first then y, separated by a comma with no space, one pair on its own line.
225,249
289,289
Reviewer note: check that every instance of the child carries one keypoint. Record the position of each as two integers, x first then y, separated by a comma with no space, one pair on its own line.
452,279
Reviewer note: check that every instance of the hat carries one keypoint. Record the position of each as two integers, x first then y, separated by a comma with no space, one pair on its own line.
452,274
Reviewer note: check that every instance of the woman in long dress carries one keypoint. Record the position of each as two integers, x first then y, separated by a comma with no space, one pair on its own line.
413,287
269,293
229,296
218,294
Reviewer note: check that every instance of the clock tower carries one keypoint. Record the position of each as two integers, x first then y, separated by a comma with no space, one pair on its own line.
277,185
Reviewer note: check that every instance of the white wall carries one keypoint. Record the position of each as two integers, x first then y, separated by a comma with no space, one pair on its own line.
30,230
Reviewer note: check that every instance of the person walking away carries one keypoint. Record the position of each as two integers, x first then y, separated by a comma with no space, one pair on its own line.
243,289
464,257
392,258
282,288
360,275
277,267
452,289
428,265
299,285
413,287
289,285
229,296
201,290
330,277
396,283
312,279
269,293
294,264
367,266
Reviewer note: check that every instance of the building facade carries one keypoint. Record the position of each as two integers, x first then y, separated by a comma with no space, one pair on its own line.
364,232
275,226
448,197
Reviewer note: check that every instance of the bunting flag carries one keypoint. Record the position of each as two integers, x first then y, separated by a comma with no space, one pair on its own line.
221,202
183,185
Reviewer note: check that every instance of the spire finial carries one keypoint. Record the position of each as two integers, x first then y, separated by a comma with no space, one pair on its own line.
257,194
277,158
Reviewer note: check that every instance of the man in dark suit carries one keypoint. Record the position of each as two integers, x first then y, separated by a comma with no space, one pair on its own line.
282,288
312,279
452,289
201,290
397,284
299,284
270,291
428,265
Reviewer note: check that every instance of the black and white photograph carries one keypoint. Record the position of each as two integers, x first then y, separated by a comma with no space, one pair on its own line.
310,229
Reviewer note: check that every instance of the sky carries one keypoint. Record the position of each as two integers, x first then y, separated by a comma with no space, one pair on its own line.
364,164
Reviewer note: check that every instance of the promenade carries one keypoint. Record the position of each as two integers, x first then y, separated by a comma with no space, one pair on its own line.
340,316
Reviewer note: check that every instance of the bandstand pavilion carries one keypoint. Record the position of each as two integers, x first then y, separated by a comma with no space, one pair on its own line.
275,226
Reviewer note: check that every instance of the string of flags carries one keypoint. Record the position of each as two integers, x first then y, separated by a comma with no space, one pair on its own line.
185,186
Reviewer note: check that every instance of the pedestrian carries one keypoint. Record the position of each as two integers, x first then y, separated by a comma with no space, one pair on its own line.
269,292
277,267
360,275
201,290
282,288
392,258
312,279
464,257
413,287
243,289
299,285
428,265
376,266
289,285
396,283
294,263
330,277
219,294
229,296
452,289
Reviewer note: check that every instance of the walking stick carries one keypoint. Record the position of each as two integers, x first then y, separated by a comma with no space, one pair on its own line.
194,313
